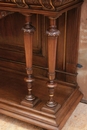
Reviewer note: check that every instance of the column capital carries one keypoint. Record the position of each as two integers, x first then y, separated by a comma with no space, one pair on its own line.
53,32
28,28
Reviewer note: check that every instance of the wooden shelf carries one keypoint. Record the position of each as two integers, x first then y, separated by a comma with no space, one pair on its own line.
13,90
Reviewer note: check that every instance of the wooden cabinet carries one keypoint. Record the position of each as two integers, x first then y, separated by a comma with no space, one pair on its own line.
40,38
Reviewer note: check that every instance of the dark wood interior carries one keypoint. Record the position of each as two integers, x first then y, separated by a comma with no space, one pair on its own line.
13,62
11,42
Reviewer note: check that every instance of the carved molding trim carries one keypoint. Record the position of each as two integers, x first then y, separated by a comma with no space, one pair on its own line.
44,4
21,4
47,4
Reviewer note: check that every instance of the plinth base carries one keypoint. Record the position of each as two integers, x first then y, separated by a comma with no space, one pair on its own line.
30,103
14,89
51,110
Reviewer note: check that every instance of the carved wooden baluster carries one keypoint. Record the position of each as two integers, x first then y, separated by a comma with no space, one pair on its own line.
30,100
52,45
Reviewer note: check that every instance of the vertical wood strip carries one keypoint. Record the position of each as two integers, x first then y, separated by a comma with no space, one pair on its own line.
60,48
72,42
64,60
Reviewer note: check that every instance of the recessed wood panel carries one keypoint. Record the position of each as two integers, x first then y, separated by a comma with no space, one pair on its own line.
12,44
72,42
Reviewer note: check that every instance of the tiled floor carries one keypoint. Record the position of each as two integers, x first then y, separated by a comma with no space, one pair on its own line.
77,121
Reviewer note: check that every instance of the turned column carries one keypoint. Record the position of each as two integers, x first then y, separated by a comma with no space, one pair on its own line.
52,33
30,99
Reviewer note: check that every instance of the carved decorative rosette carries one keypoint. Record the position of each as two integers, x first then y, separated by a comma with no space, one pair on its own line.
4,13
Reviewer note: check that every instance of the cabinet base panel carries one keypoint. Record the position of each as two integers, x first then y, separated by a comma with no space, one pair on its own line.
13,91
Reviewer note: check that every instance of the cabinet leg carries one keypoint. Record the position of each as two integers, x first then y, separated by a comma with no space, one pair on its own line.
30,100
51,105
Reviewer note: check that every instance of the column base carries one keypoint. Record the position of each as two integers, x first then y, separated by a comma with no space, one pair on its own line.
30,103
52,110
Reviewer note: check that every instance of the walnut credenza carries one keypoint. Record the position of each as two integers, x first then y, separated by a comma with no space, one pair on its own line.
44,34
